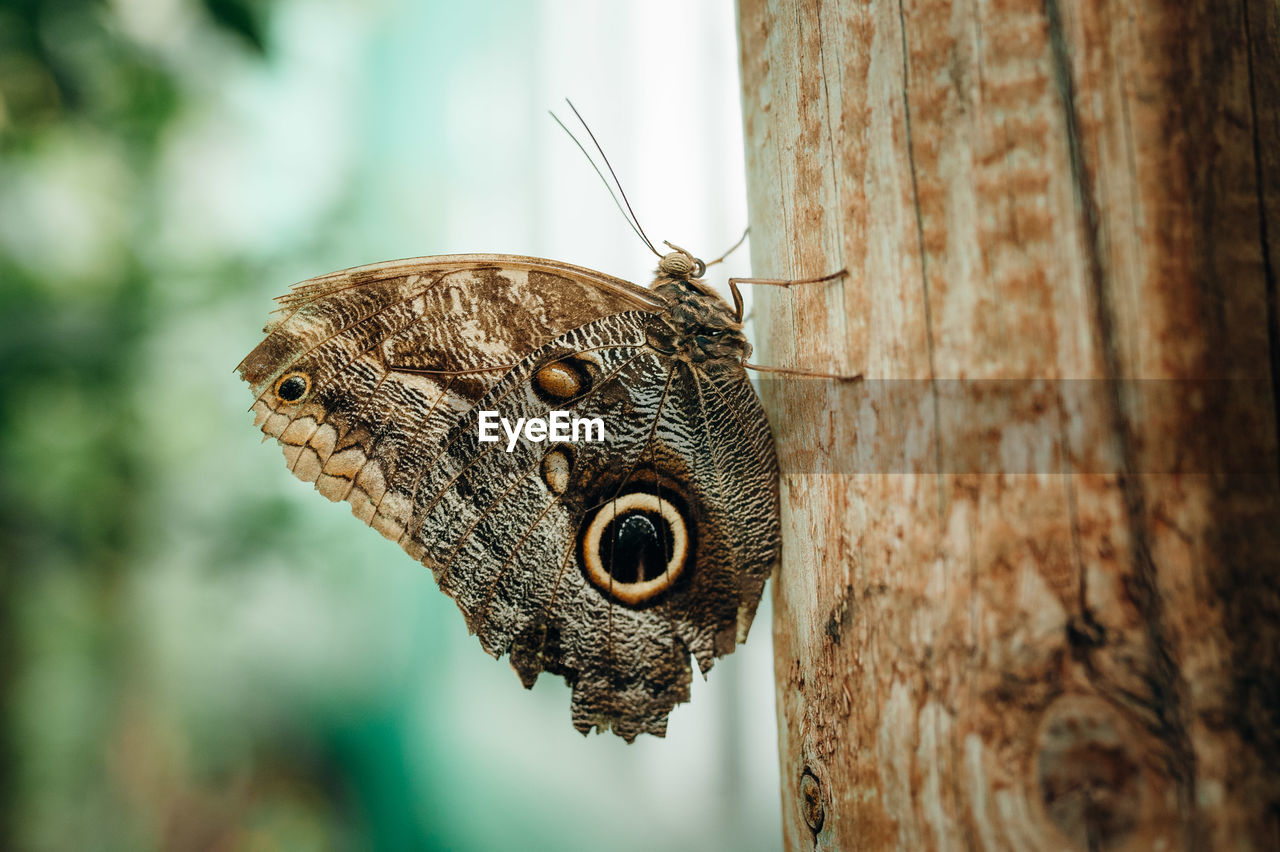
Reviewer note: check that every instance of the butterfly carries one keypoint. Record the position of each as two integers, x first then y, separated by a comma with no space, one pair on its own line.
606,562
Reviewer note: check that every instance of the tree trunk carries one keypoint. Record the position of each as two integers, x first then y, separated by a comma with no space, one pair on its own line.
1032,601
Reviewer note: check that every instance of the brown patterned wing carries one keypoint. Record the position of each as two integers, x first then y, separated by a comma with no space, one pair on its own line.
343,378
609,562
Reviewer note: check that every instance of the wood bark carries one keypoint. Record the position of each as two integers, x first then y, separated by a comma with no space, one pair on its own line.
1028,597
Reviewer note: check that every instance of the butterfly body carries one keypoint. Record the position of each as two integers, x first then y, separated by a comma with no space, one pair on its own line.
606,562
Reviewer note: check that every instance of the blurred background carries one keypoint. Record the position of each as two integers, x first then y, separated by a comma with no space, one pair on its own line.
197,651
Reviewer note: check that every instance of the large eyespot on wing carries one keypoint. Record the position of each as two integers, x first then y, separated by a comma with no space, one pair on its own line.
636,545
358,375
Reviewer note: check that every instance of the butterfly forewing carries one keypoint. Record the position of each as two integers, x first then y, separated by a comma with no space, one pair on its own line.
362,341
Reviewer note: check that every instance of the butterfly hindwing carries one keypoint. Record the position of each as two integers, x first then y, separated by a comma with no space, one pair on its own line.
507,528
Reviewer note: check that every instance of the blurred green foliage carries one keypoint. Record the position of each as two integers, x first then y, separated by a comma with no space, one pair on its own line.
83,108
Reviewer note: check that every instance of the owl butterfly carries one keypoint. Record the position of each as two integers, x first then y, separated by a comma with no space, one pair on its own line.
607,563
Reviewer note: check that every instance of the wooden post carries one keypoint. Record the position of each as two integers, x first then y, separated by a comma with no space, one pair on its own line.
1032,602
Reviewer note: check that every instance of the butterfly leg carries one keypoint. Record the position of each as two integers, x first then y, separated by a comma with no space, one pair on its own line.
804,374
782,282
775,282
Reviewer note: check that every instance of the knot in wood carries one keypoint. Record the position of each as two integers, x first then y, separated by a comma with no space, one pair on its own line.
811,801
1088,775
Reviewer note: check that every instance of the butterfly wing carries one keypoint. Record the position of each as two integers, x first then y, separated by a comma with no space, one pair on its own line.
607,562
344,378
544,571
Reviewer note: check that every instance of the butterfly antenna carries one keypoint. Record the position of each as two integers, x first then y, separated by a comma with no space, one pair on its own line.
742,239
634,219
604,180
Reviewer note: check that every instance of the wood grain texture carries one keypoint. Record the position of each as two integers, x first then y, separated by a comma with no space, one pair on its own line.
1079,201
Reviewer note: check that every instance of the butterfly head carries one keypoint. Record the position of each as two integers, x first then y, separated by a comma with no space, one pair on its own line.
681,265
